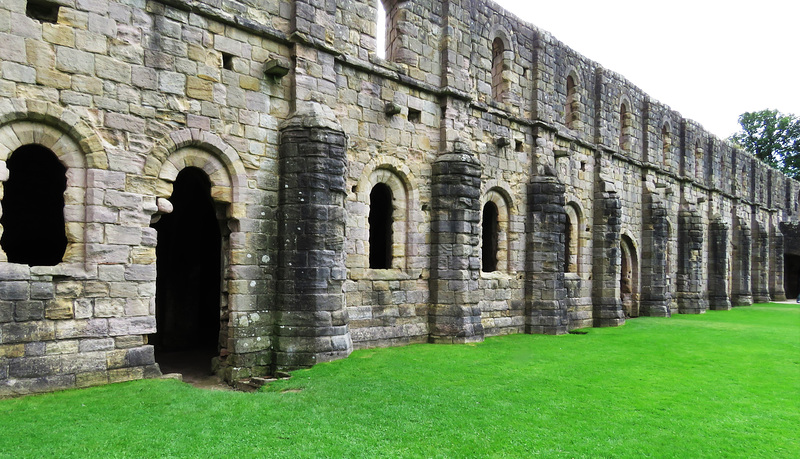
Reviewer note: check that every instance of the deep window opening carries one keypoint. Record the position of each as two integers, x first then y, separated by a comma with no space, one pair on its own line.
414,115
42,11
570,109
698,161
227,61
567,244
624,126
33,207
188,284
497,69
518,146
490,237
380,227
666,144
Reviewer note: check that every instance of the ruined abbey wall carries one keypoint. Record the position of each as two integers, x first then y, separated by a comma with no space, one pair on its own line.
510,184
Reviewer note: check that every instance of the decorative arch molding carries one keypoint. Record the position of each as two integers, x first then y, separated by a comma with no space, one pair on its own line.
575,242
501,58
43,129
667,143
201,149
626,117
502,201
64,124
572,104
397,177
509,39
629,273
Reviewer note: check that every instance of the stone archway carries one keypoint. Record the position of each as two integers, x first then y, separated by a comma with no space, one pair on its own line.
629,277
191,306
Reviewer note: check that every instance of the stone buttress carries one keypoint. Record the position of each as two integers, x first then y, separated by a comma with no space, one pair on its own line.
691,299
454,315
607,304
312,323
546,291
655,236
718,261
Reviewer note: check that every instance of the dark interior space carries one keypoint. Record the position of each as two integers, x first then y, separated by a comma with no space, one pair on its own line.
489,246
188,282
380,227
567,243
33,207
791,277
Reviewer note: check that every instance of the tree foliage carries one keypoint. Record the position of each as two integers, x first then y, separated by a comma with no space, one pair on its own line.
773,137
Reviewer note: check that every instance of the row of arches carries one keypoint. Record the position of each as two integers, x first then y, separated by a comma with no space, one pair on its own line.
46,177
387,220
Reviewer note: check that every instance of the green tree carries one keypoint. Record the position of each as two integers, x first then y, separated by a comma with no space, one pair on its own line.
772,137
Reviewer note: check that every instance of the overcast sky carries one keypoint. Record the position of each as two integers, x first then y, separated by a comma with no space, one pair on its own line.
710,60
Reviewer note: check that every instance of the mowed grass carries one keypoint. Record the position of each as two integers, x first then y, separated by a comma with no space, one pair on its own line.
722,384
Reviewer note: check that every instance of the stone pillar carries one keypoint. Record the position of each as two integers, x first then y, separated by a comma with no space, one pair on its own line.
454,315
718,265
312,323
545,289
741,295
760,273
655,237
607,257
690,263
776,288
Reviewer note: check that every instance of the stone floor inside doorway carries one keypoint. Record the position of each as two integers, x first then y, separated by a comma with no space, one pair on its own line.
192,367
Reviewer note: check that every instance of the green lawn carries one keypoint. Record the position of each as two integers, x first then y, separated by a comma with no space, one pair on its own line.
722,384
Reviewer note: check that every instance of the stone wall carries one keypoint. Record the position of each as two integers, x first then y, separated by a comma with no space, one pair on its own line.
608,203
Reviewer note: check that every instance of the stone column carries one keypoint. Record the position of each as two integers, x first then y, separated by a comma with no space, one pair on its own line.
776,288
741,295
545,289
718,265
454,315
607,257
760,273
690,263
312,323
655,237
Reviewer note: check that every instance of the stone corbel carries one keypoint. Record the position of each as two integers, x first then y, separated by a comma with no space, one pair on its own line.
163,206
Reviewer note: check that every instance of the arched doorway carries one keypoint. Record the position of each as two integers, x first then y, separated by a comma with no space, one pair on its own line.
188,284
629,278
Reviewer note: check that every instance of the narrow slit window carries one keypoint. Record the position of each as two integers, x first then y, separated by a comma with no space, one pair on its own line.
380,227
490,234
666,144
33,207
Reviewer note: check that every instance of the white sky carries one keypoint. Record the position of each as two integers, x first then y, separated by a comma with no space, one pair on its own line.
710,60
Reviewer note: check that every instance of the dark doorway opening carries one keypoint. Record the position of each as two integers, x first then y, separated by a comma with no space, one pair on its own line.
791,277
380,227
33,207
188,297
